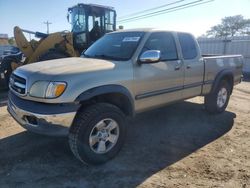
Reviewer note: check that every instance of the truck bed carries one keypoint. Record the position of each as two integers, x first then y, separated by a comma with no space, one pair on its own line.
215,63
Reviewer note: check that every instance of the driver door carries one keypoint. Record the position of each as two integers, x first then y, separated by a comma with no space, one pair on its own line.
162,82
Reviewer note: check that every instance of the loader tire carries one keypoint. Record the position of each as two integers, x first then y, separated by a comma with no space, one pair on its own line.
6,70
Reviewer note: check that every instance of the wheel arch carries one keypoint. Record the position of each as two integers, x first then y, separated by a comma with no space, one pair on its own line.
226,75
114,94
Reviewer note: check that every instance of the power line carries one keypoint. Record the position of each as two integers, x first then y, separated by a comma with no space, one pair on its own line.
181,8
172,9
147,10
47,23
151,13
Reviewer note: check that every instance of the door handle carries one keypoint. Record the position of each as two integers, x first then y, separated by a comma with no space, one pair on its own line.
178,66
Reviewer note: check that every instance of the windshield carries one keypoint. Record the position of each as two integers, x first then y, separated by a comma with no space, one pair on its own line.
115,46
78,20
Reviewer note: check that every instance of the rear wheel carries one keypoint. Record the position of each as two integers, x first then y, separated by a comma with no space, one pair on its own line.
98,133
217,101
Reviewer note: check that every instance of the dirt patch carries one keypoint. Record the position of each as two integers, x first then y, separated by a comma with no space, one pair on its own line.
176,146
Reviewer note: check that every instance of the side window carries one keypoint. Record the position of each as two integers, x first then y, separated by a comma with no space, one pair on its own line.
188,46
109,20
90,23
165,43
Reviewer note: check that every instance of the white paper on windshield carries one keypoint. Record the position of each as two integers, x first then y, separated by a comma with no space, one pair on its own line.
131,39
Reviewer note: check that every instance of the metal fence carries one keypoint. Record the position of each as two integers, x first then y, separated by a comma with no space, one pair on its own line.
226,46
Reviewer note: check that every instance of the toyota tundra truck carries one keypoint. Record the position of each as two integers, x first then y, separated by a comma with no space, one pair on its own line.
90,98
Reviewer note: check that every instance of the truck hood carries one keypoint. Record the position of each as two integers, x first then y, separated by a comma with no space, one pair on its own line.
66,66
80,74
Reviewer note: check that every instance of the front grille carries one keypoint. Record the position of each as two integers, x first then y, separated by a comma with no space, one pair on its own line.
18,84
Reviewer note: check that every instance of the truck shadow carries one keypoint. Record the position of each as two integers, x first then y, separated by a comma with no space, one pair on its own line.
155,140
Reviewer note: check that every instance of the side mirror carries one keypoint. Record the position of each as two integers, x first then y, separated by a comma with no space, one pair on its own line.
150,56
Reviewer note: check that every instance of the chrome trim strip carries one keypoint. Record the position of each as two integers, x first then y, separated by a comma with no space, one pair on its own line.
158,92
169,90
208,82
24,77
197,84
19,85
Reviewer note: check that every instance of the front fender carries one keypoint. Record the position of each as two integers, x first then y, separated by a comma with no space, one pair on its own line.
107,89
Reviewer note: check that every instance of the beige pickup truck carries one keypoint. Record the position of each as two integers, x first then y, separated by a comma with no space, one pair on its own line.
89,98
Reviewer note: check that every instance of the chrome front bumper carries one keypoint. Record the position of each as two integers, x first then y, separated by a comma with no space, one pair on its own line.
47,124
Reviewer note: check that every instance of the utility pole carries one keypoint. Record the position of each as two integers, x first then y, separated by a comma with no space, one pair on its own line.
47,23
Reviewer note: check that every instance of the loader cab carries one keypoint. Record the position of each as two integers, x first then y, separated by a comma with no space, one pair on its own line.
90,22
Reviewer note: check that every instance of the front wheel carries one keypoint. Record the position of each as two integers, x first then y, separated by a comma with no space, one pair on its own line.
217,101
98,133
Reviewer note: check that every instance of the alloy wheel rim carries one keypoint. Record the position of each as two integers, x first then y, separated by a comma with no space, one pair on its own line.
222,97
104,135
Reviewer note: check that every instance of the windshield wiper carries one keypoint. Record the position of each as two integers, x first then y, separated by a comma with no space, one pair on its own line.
103,56
85,55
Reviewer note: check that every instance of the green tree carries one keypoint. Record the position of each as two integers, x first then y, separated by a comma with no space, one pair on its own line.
230,26
12,41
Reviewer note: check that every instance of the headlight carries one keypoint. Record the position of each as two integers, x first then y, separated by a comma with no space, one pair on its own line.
38,89
49,90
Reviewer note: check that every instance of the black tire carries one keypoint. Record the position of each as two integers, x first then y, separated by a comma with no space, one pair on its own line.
211,104
8,73
52,54
6,70
83,126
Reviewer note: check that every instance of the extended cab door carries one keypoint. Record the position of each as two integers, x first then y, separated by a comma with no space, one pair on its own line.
193,65
161,82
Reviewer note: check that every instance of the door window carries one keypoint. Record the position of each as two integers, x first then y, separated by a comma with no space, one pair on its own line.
188,46
165,43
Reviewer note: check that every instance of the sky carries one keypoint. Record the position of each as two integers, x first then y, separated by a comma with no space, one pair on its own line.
31,14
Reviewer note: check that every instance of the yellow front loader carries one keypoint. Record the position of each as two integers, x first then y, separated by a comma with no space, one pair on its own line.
88,22
50,46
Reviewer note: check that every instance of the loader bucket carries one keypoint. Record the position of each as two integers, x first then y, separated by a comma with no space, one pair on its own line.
22,43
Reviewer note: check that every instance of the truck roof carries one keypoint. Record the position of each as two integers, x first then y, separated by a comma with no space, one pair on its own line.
146,30
135,30
91,5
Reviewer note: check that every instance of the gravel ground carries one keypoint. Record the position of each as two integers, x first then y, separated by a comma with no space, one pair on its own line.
176,146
